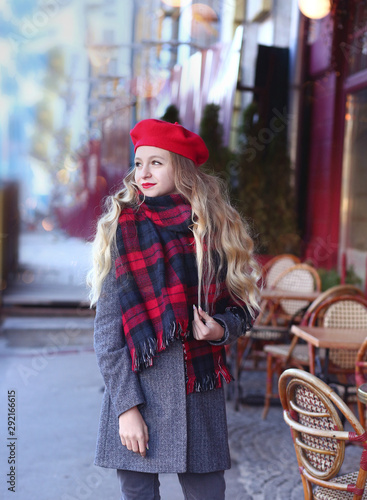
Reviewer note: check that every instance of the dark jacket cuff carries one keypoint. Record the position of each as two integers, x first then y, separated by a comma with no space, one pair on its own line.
236,321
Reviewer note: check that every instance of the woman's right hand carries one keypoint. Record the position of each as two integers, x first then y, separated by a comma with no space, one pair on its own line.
134,431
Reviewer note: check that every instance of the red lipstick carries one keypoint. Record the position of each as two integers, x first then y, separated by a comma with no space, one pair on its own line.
147,185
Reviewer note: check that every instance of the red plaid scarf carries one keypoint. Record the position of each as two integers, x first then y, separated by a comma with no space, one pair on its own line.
158,285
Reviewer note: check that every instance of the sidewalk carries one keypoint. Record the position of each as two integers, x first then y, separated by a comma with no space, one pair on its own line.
52,270
51,365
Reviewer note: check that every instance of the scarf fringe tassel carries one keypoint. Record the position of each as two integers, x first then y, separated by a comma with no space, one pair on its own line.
211,381
145,352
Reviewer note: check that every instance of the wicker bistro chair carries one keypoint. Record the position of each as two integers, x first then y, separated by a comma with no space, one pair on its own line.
300,277
361,378
342,312
276,317
311,409
295,354
276,266
251,345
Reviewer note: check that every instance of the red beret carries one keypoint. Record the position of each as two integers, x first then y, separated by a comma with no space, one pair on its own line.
172,137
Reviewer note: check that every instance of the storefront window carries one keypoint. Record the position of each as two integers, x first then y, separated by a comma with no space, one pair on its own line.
354,197
357,39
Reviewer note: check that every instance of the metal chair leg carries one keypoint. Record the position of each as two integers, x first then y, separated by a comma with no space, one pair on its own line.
269,384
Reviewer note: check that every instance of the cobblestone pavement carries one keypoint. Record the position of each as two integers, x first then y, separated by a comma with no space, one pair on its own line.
264,465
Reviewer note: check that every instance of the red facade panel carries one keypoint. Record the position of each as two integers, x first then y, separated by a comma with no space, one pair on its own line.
321,236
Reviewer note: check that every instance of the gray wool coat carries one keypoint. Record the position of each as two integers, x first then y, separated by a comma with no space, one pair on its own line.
187,433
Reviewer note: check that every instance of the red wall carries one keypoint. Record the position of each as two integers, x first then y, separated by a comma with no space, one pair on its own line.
320,231
325,154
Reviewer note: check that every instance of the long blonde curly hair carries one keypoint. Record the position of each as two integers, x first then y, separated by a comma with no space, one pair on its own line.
215,223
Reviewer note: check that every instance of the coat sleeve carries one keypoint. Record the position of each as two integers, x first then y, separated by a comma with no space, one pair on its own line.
112,353
236,321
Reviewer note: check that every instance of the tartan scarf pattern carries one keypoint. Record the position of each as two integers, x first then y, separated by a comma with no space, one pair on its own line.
157,276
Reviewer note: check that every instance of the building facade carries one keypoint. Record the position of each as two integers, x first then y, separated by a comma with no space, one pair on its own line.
332,168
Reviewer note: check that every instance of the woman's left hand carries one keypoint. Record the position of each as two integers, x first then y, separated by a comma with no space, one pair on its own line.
204,327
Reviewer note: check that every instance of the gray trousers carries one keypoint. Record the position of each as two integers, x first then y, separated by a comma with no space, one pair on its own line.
145,486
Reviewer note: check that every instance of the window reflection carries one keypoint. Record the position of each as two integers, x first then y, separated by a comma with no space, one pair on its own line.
355,172
357,39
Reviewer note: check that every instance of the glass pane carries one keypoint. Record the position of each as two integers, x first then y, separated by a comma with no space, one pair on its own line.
354,205
360,18
357,45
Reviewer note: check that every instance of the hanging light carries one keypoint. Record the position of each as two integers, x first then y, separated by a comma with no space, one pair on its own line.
315,9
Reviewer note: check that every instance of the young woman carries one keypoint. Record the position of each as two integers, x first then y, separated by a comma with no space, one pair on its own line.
173,282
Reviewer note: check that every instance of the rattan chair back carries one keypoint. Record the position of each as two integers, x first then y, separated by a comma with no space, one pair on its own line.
342,312
335,291
300,277
311,410
276,266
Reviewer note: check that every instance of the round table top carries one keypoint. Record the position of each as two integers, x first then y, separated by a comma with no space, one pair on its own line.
362,393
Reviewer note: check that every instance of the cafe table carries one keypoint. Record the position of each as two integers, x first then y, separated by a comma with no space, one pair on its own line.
319,337
272,297
264,330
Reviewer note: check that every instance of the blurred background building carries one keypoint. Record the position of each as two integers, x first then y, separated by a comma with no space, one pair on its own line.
77,75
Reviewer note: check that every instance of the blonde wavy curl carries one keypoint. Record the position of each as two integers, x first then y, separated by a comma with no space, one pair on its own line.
215,223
